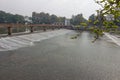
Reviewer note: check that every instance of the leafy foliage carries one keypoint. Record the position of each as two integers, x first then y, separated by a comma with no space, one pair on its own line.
77,19
46,18
10,18
83,24
92,20
108,16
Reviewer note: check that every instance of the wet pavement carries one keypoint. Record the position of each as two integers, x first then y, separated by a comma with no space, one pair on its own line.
62,58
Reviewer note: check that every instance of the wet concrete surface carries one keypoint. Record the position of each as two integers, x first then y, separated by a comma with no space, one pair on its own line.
62,58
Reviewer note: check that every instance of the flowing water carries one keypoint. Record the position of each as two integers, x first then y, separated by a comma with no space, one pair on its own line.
55,56
15,42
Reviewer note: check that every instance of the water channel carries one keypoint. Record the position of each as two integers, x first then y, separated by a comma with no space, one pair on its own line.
63,58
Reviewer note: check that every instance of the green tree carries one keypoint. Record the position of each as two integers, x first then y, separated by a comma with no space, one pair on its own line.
108,7
77,19
40,18
61,19
10,18
53,18
18,19
45,18
92,19
2,16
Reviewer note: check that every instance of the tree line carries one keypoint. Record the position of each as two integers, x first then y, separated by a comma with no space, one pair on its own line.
11,18
78,19
39,18
46,18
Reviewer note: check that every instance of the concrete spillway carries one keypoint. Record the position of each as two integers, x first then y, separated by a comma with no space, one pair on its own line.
15,42
113,38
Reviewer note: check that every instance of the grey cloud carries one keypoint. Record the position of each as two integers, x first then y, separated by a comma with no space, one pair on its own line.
58,7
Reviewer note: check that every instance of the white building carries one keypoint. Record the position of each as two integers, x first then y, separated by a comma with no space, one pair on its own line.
67,22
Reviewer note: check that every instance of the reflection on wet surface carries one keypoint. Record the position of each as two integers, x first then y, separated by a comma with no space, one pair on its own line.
62,58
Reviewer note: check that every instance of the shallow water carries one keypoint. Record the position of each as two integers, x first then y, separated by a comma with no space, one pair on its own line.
62,58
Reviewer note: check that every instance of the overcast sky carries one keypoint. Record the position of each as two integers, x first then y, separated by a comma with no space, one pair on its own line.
65,8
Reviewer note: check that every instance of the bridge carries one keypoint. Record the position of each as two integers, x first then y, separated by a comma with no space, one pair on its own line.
43,27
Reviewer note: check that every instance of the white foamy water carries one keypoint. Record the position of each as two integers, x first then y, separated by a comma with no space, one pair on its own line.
15,42
113,38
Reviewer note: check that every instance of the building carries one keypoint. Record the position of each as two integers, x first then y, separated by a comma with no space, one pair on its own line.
67,22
